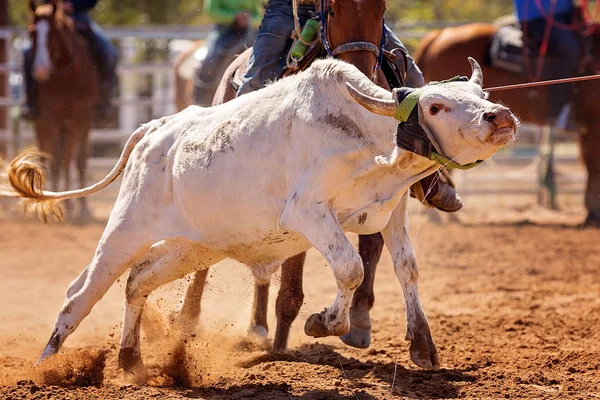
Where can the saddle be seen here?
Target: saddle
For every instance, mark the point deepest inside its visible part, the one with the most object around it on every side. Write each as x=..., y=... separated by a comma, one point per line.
x=507, y=53
x=506, y=49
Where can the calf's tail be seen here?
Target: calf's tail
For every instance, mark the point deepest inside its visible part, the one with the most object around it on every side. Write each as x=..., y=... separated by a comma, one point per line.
x=26, y=177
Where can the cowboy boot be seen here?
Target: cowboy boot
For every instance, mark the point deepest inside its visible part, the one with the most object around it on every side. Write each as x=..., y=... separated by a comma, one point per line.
x=435, y=191
x=29, y=110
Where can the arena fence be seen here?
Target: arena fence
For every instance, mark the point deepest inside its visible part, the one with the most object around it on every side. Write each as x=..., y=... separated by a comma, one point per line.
x=146, y=82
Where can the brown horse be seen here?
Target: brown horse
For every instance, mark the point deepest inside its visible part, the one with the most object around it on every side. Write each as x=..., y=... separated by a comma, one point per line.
x=184, y=86
x=68, y=92
x=442, y=53
x=342, y=30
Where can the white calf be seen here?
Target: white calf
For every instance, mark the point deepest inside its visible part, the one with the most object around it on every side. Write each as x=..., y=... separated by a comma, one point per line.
x=267, y=176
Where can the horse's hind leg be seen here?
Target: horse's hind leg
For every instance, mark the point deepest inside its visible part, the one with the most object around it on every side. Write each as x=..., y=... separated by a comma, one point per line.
x=258, y=323
x=166, y=261
x=289, y=299
x=69, y=140
x=369, y=248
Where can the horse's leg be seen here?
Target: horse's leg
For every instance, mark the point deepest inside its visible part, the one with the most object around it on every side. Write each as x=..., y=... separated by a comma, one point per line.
x=68, y=149
x=81, y=160
x=48, y=136
x=188, y=316
x=258, y=323
x=289, y=299
x=369, y=248
x=590, y=144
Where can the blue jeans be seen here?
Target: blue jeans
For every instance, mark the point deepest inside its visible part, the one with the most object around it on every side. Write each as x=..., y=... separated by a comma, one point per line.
x=268, y=58
x=561, y=61
x=223, y=43
x=104, y=52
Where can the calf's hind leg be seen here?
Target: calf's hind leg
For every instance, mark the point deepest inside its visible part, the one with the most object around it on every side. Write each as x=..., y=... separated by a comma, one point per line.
x=111, y=260
x=166, y=261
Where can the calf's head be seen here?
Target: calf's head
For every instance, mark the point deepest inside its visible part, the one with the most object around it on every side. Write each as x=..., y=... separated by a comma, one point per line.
x=455, y=116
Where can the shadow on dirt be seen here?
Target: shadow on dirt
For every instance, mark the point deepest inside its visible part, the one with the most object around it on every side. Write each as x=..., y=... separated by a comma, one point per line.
x=359, y=375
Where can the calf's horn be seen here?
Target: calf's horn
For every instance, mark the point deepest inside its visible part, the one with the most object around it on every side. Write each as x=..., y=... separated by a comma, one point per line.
x=373, y=104
x=477, y=73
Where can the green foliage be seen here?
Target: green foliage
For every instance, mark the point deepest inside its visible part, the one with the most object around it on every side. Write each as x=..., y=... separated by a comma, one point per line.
x=449, y=10
x=137, y=12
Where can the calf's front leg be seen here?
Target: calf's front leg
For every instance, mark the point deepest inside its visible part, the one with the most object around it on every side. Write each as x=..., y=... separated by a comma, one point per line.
x=322, y=230
x=422, y=349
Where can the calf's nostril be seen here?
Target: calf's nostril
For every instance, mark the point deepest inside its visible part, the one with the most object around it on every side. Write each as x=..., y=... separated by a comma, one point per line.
x=489, y=117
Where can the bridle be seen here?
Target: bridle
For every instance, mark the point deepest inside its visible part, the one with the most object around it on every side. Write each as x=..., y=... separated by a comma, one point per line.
x=350, y=46
x=66, y=67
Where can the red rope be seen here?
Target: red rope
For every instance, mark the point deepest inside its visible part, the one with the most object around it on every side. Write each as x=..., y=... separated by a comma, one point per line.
x=548, y=29
x=550, y=16
x=543, y=83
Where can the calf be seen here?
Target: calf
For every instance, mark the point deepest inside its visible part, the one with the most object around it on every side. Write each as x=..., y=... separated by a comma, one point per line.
x=267, y=176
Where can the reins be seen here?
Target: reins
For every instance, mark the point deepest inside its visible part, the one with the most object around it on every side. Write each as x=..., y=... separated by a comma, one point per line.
x=350, y=46
x=323, y=37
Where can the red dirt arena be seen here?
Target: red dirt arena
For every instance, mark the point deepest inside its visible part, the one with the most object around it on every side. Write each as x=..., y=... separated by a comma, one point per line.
x=511, y=290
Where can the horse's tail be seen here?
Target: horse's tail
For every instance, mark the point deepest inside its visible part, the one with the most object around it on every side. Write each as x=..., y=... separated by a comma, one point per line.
x=26, y=176
x=422, y=51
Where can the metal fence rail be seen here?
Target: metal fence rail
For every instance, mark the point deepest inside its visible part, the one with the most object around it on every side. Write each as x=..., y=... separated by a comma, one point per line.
x=146, y=85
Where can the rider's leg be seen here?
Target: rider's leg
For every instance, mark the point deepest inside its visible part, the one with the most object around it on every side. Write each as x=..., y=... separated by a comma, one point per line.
x=227, y=41
x=564, y=57
x=272, y=42
x=105, y=56
x=434, y=190
x=414, y=76
x=30, y=108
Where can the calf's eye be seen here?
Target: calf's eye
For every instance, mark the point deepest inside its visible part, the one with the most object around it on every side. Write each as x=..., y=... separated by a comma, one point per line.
x=434, y=109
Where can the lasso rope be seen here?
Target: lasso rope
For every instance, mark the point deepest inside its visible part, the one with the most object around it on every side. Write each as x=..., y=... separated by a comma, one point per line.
x=544, y=83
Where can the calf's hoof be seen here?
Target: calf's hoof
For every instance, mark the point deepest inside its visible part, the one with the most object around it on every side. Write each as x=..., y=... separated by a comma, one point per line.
x=315, y=327
x=131, y=363
x=357, y=337
x=423, y=352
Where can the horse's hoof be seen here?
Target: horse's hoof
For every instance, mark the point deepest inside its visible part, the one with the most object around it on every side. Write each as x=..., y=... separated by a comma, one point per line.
x=592, y=220
x=357, y=337
x=315, y=326
x=258, y=331
x=423, y=352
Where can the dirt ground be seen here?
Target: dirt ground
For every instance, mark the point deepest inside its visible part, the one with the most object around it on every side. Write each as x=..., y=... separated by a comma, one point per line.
x=512, y=293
